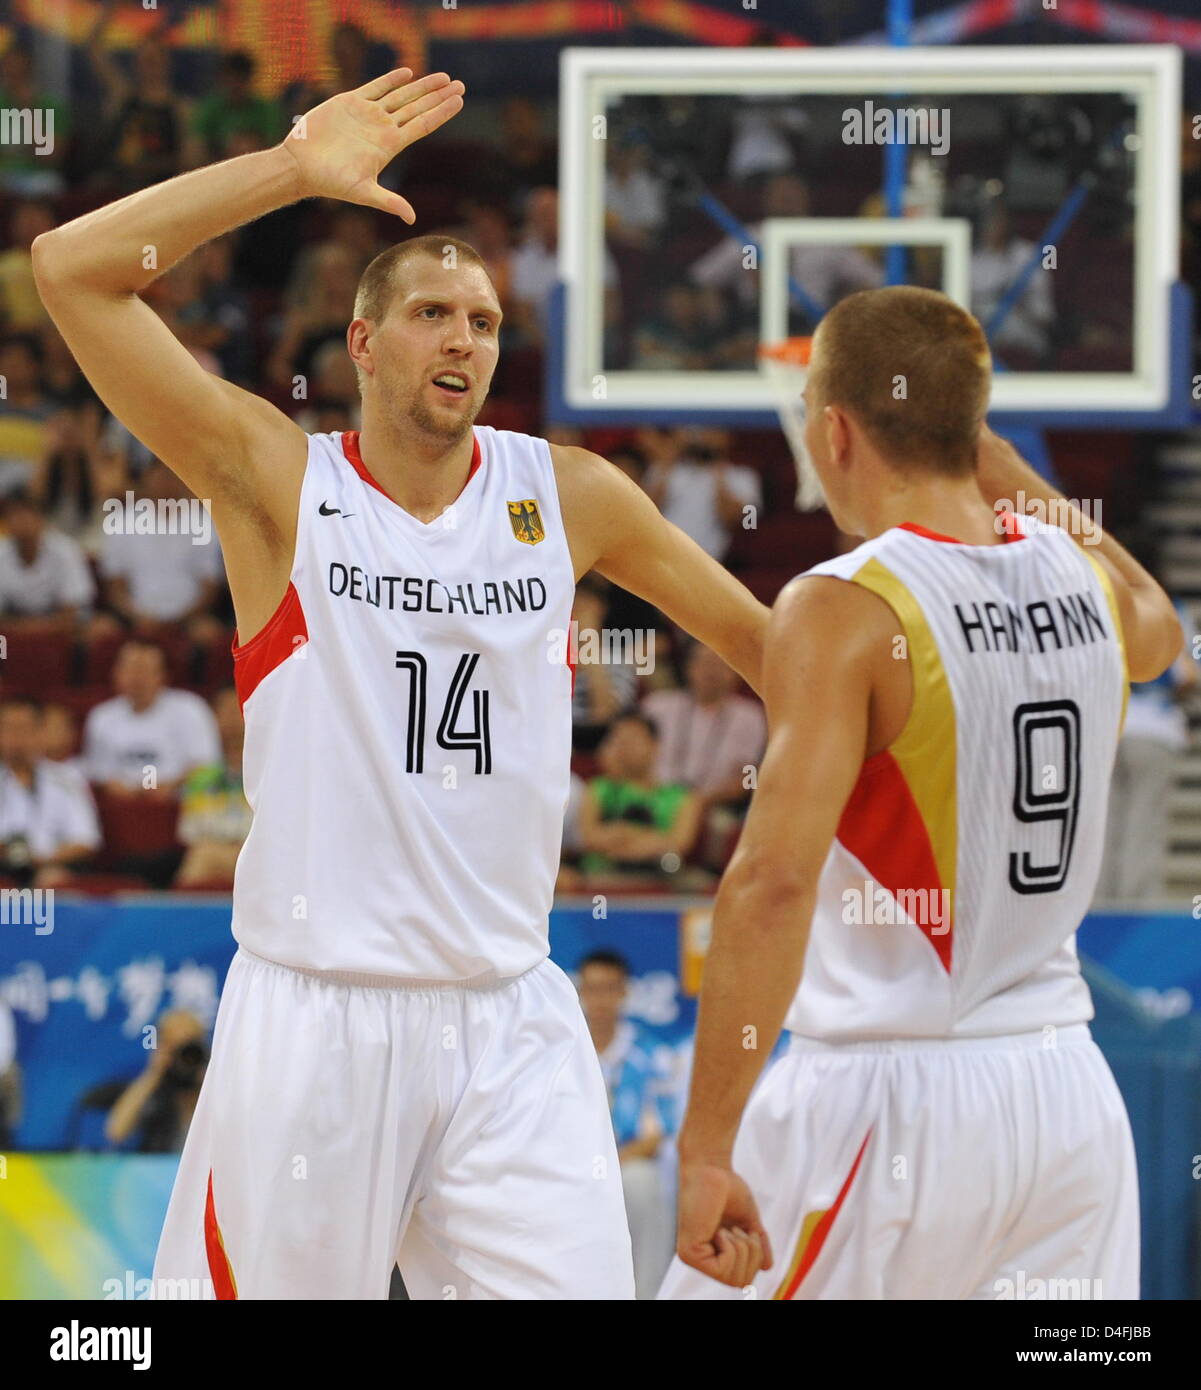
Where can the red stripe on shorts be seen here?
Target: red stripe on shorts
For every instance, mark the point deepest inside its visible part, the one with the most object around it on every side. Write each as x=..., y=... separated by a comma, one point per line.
x=817, y=1238
x=220, y=1270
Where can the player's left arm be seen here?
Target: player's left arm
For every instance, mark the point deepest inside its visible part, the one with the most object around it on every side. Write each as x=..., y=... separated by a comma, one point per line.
x=822, y=642
x=614, y=527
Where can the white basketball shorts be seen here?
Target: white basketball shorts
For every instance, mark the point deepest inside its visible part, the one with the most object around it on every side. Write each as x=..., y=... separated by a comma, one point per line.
x=460, y=1131
x=991, y=1168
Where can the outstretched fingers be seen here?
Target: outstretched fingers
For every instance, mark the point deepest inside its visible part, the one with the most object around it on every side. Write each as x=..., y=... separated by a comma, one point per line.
x=402, y=95
x=381, y=86
x=422, y=123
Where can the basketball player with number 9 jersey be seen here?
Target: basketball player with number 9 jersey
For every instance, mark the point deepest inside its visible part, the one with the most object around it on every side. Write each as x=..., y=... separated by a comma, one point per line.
x=945, y=703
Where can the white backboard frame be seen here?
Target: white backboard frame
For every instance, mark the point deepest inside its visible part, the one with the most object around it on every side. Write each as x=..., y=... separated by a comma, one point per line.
x=592, y=79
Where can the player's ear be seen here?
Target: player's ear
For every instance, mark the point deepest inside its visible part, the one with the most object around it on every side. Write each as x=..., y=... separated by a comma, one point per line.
x=838, y=434
x=358, y=344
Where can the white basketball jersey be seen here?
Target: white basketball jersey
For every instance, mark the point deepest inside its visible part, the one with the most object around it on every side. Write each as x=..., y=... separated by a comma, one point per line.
x=408, y=725
x=969, y=850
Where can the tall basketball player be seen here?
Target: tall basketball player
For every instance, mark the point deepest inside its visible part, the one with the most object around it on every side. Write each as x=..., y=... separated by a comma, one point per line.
x=944, y=705
x=398, y=1070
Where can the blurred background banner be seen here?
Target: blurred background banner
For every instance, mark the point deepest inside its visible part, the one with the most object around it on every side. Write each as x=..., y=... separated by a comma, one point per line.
x=81, y=1225
x=84, y=1224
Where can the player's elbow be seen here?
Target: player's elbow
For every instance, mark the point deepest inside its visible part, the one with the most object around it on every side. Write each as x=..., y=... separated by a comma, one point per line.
x=769, y=885
x=50, y=261
x=1160, y=642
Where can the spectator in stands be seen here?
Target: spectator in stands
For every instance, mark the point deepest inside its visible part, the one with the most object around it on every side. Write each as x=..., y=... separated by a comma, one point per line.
x=234, y=108
x=826, y=273
x=45, y=583
x=526, y=157
x=709, y=737
x=486, y=226
x=997, y=261
x=767, y=133
x=637, y=1082
x=635, y=830
x=635, y=196
x=320, y=318
x=147, y=739
x=333, y=386
x=158, y=1106
x=10, y=1078
x=351, y=60
x=167, y=577
x=226, y=310
x=215, y=818
x=62, y=380
x=147, y=122
x=76, y=472
x=58, y=738
x=48, y=823
x=353, y=233
x=208, y=319
x=24, y=171
x=688, y=333
x=695, y=487
x=603, y=689
x=1154, y=737
x=21, y=309
x=27, y=408
x=535, y=264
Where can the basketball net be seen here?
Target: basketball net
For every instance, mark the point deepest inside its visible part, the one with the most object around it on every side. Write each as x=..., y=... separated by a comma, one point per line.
x=786, y=366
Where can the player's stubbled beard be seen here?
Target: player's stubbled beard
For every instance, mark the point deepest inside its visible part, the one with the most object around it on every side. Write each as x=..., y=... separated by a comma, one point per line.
x=448, y=427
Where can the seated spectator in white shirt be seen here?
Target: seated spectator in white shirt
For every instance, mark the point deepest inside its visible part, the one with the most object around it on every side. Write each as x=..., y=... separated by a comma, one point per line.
x=699, y=492
x=45, y=583
x=214, y=815
x=709, y=737
x=59, y=738
x=603, y=689
x=170, y=575
x=147, y=739
x=826, y=273
x=48, y=822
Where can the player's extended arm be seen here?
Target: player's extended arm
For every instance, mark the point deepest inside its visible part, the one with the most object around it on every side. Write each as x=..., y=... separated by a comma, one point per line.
x=613, y=526
x=228, y=446
x=817, y=678
x=1150, y=624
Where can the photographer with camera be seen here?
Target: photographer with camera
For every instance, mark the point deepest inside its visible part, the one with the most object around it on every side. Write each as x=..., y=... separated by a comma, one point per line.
x=158, y=1105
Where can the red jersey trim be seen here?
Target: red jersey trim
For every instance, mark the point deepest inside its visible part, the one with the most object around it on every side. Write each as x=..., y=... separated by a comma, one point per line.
x=1007, y=520
x=350, y=447
x=883, y=828
x=286, y=630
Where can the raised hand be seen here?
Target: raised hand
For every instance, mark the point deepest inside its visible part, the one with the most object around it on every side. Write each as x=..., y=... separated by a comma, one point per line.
x=341, y=146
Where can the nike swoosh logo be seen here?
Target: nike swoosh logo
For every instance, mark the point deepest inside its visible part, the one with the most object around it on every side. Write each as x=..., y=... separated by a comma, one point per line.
x=326, y=510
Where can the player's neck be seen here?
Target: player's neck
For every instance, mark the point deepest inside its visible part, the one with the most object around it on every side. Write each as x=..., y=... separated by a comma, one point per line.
x=422, y=473
x=948, y=507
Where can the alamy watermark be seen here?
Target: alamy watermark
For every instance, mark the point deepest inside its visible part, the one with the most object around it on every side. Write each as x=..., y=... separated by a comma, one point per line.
x=873, y=905
x=605, y=646
x=157, y=516
x=907, y=125
x=1076, y=516
x=28, y=907
x=28, y=125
